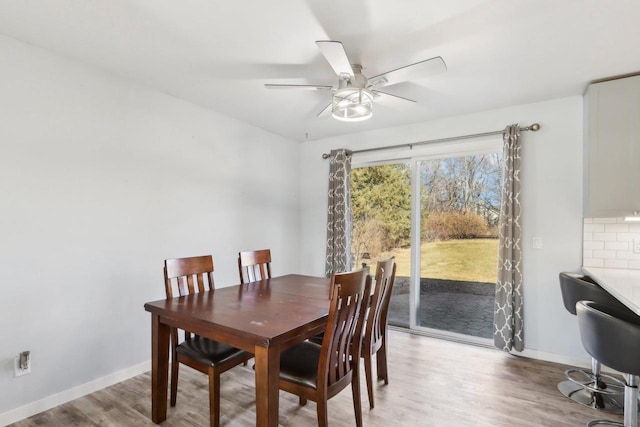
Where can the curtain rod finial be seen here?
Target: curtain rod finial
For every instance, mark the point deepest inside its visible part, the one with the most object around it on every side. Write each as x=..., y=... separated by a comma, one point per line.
x=535, y=127
x=326, y=156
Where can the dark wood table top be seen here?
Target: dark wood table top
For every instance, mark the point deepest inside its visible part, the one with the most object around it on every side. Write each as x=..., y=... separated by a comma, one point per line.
x=258, y=313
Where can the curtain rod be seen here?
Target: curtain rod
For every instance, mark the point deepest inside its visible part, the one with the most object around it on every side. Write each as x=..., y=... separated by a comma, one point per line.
x=534, y=128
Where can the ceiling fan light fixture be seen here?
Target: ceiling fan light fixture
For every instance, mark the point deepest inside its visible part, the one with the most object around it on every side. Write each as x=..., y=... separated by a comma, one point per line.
x=352, y=104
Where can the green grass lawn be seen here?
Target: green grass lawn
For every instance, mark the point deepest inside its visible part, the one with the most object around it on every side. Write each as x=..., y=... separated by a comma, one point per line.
x=473, y=260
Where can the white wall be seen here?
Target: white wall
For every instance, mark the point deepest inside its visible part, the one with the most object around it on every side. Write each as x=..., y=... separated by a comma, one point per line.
x=551, y=204
x=100, y=181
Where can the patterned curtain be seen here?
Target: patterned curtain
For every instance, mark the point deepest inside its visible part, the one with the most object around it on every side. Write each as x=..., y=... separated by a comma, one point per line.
x=508, y=315
x=339, y=213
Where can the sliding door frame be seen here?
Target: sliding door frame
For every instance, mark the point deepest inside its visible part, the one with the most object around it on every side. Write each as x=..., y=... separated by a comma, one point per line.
x=436, y=151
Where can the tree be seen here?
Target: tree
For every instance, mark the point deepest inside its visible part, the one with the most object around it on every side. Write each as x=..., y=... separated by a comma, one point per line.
x=464, y=185
x=461, y=195
x=381, y=206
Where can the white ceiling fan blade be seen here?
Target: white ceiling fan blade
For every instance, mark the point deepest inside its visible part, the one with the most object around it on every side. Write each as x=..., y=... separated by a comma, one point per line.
x=303, y=87
x=325, y=111
x=426, y=68
x=391, y=100
x=336, y=56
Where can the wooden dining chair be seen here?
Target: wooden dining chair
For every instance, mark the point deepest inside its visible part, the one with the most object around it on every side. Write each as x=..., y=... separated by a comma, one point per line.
x=254, y=265
x=188, y=276
x=375, y=334
x=318, y=372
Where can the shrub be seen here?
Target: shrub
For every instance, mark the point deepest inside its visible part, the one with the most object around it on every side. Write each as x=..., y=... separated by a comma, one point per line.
x=373, y=235
x=453, y=225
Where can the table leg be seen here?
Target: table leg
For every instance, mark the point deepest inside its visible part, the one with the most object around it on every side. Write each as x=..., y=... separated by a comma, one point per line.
x=267, y=391
x=159, y=368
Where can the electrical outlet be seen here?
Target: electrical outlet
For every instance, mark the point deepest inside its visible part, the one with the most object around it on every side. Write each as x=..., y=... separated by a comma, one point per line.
x=18, y=368
x=636, y=246
x=537, y=243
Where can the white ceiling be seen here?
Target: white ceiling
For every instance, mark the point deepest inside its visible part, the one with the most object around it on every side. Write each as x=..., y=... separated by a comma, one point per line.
x=219, y=54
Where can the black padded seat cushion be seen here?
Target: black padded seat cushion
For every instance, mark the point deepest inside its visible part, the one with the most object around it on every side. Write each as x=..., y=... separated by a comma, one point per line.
x=207, y=351
x=610, y=336
x=576, y=287
x=299, y=364
x=318, y=338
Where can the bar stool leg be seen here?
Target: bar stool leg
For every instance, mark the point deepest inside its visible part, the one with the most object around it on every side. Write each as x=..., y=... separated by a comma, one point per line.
x=631, y=401
x=594, y=389
x=596, y=368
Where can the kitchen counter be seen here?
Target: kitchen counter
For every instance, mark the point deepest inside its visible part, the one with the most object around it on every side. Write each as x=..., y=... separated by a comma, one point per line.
x=622, y=284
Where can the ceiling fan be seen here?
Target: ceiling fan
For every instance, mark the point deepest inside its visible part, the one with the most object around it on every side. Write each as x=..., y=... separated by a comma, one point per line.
x=354, y=95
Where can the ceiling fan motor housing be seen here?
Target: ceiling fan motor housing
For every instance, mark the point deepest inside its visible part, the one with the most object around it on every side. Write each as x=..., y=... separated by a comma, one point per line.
x=358, y=79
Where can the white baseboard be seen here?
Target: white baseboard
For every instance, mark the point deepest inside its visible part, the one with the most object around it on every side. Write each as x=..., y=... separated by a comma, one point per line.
x=553, y=357
x=565, y=360
x=488, y=343
x=73, y=393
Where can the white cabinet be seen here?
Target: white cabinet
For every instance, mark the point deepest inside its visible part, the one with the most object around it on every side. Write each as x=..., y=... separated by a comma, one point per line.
x=612, y=148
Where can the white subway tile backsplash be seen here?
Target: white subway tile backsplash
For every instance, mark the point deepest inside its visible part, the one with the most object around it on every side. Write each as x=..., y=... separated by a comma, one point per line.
x=604, y=254
x=594, y=228
x=616, y=228
x=616, y=263
x=627, y=255
x=592, y=244
x=627, y=237
x=607, y=242
x=614, y=246
x=605, y=237
x=592, y=262
x=604, y=220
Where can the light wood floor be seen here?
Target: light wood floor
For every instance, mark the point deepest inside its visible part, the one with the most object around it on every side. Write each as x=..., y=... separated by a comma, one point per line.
x=432, y=383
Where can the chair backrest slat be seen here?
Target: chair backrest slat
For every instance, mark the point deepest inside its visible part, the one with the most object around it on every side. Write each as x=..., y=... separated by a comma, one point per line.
x=190, y=284
x=379, y=310
x=343, y=335
x=183, y=271
x=254, y=265
x=180, y=272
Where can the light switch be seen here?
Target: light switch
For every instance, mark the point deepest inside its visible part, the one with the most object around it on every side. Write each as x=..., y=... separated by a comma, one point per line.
x=537, y=243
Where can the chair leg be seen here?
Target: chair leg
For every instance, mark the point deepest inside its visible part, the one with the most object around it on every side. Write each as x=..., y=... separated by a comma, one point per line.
x=174, y=381
x=214, y=398
x=321, y=406
x=369, y=376
x=355, y=389
x=303, y=400
x=381, y=362
x=174, y=375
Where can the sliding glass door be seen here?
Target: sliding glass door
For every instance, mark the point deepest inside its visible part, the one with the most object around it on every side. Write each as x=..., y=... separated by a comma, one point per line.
x=437, y=215
x=458, y=210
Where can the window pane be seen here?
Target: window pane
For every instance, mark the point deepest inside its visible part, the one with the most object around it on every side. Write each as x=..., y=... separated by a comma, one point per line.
x=381, y=209
x=459, y=213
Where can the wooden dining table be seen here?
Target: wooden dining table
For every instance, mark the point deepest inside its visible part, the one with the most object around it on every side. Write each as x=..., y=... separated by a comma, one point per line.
x=262, y=317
